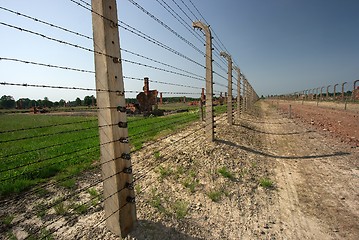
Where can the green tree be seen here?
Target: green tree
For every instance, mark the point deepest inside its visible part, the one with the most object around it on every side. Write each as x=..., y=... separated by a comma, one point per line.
x=89, y=100
x=78, y=102
x=47, y=103
x=7, y=102
x=23, y=103
x=62, y=103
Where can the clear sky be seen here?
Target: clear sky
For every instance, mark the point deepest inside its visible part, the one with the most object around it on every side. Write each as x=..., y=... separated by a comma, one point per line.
x=282, y=46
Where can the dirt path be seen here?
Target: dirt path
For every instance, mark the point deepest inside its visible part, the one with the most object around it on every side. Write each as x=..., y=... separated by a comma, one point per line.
x=317, y=181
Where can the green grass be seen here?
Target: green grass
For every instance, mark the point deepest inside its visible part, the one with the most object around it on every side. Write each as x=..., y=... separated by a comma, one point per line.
x=164, y=172
x=157, y=154
x=95, y=196
x=68, y=149
x=215, y=196
x=6, y=220
x=79, y=208
x=266, y=183
x=180, y=208
x=60, y=209
x=226, y=173
x=191, y=184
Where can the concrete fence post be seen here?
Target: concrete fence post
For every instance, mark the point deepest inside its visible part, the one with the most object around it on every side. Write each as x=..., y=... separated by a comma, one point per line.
x=238, y=91
x=334, y=93
x=354, y=90
x=120, y=210
x=328, y=92
x=229, y=96
x=209, y=80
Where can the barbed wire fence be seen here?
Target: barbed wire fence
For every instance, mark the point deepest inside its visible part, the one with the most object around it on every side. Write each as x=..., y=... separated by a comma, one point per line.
x=344, y=95
x=44, y=156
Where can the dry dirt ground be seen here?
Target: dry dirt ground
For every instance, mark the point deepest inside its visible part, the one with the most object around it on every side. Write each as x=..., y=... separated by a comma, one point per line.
x=327, y=117
x=266, y=177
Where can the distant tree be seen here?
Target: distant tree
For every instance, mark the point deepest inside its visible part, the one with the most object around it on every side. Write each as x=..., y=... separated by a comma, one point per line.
x=23, y=103
x=47, y=103
x=7, y=102
x=62, y=103
x=89, y=100
x=33, y=103
x=78, y=102
x=56, y=104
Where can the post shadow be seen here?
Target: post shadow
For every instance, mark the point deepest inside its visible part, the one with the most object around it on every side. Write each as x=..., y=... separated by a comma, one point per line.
x=150, y=230
x=280, y=134
x=280, y=157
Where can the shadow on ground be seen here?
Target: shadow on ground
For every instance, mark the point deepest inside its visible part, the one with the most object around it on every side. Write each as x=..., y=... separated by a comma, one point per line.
x=280, y=157
x=259, y=131
x=154, y=230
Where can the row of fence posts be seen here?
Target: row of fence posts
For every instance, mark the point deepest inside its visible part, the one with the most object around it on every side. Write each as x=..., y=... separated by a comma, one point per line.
x=305, y=94
x=119, y=204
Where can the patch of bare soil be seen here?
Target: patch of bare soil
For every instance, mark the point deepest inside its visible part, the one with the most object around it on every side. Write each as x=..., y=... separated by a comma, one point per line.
x=317, y=179
x=265, y=177
x=336, y=122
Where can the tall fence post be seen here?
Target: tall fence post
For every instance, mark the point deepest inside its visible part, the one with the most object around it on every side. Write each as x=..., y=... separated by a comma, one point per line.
x=201, y=104
x=244, y=94
x=229, y=97
x=209, y=81
x=238, y=91
x=120, y=210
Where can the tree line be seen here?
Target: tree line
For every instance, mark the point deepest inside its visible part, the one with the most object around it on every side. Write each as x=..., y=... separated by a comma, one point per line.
x=8, y=102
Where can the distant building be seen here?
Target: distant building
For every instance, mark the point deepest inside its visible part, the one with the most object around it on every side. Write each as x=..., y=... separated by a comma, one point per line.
x=356, y=93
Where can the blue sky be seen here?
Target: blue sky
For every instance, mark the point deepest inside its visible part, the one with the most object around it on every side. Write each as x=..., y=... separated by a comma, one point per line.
x=282, y=46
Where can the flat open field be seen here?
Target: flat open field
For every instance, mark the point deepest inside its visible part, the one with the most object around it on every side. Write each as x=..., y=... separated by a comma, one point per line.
x=266, y=177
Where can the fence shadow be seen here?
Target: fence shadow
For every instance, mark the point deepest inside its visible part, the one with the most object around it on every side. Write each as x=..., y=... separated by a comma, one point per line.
x=279, y=134
x=280, y=157
x=274, y=123
x=150, y=230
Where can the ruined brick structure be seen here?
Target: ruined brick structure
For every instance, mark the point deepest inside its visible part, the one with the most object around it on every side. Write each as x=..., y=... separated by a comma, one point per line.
x=148, y=98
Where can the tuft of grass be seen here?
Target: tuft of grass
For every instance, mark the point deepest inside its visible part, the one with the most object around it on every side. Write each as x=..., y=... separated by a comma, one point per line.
x=156, y=201
x=138, y=188
x=40, y=210
x=6, y=220
x=11, y=236
x=180, y=208
x=60, y=209
x=180, y=170
x=42, y=192
x=226, y=173
x=164, y=172
x=79, y=208
x=69, y=183
x=215, y=196
x=95, y=196
x=157, y=154
x=191, y=184
x=266, y=183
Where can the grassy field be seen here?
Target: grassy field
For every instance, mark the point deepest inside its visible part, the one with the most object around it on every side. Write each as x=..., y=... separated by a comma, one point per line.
x=37, y=148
